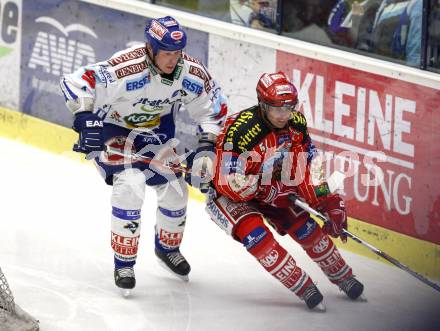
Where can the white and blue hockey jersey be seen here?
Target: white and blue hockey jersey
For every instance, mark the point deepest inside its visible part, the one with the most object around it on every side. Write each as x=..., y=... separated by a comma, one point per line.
x=127, y=91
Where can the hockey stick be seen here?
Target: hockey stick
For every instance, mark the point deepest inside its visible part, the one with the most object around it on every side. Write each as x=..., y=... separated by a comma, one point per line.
x=139, y=157
x=375, y=250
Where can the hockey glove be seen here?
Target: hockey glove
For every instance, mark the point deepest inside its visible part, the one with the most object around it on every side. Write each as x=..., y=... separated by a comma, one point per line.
x=201, y=163
x=333, y=207
x=89, y=127
x=276, y=194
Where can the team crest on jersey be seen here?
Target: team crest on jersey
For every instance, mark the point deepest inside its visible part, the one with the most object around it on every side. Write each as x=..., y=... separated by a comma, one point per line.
x=297, y=137
x=299, y=123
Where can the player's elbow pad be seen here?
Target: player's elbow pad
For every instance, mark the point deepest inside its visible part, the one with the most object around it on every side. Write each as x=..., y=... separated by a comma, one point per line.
x=80, y=104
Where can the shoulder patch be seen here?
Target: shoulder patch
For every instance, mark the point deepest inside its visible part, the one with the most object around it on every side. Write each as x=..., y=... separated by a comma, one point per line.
x=131, y=69
x=203, y=74
x=298, y=122
x=192, y=85
x=246, y=131
x=298, y=118
x=134, y=54
x=105, y=75
x=197, y=71
x=190, y=58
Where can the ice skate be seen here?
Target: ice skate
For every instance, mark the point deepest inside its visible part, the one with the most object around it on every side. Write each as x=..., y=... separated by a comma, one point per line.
x=352, y=288
x=125, y=280
x=175, y=263
x=313, y=298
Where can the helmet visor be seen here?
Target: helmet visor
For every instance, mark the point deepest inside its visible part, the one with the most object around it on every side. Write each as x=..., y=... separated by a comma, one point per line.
x=289, y=108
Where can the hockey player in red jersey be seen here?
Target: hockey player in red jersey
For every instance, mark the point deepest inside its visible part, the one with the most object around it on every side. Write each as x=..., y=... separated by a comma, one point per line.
x=263, y=155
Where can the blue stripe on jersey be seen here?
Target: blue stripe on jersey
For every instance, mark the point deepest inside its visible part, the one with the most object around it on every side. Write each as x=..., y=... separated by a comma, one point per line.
x=173, y=213
x=128, y=215
x=72, y=95
x=65, y=96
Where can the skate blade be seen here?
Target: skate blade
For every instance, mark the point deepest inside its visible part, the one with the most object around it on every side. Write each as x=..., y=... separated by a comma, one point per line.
x=362, y=298
x=125, y=292
x=320, y=308
x=163, y=265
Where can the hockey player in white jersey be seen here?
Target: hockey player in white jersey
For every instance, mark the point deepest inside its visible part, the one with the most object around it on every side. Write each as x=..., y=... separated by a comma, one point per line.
x=129, y=102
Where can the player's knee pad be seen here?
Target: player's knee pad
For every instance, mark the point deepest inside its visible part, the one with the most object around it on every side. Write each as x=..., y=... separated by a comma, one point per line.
x=128, y=189
x=172, y=200
x=127, y=198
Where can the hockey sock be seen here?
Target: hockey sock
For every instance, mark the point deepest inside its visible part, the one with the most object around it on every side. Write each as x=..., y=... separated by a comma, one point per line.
x=260, y=242
x=321, y=249
x=125, y=236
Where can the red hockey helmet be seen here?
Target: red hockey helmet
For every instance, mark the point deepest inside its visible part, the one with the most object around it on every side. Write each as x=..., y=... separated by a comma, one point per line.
x=277, y=91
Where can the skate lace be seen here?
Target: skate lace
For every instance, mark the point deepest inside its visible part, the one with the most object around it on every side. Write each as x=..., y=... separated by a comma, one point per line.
x=126, y=272
x=175, y=258
x=347, y=284
x=309, y=292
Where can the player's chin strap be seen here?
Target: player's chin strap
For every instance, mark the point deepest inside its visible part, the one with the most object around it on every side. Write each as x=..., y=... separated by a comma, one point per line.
x=375, y=250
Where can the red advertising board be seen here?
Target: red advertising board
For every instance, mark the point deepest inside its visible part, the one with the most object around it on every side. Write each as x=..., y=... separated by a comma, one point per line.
x=383, y=133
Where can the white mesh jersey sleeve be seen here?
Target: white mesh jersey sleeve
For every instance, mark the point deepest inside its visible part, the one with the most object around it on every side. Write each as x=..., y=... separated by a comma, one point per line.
x=204, y=101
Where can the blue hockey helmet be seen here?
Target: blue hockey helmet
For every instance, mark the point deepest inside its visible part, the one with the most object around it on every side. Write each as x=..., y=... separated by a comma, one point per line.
x=166, y=34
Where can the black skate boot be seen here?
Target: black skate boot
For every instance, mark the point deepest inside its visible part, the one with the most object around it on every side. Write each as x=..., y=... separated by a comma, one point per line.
x=352, y=287
x=175, y=263
x=313, y=298
x=125, y=280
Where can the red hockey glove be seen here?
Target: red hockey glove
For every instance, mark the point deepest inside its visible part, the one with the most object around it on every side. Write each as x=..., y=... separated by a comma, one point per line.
x=333, y=207
x=276, y=194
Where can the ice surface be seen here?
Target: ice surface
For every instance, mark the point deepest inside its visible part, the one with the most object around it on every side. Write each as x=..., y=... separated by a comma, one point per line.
x=55, y=252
